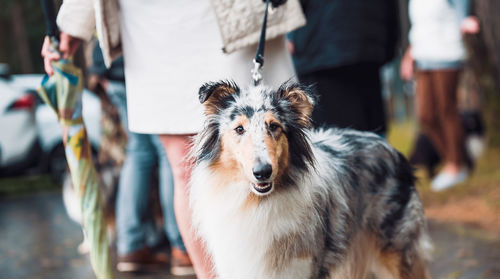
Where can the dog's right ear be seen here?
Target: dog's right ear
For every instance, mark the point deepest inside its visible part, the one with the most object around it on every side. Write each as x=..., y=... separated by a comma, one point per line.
x=216, y=95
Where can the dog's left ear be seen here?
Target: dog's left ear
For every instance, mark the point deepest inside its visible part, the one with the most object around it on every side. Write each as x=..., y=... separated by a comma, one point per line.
x=301, y=100
x=216, y=95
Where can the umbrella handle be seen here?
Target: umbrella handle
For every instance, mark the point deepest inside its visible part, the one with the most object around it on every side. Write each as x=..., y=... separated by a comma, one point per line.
x=50, y=21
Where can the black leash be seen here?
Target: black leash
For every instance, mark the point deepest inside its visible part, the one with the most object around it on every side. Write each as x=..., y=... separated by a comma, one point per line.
x=258, y=61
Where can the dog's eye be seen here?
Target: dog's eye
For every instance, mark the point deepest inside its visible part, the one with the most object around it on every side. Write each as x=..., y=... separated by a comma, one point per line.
x=273, y=127
x=240, y=130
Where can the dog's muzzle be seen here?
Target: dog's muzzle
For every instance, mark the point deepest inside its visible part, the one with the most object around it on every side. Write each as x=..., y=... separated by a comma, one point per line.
x=262, y=172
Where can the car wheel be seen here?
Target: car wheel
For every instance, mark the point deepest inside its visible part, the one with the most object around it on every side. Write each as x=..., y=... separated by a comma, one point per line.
x=57, y=163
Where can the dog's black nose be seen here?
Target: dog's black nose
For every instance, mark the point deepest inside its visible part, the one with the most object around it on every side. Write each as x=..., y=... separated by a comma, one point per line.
x=262, y=171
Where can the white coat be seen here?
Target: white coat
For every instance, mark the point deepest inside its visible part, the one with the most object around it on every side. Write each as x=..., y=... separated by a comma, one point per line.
x=435, y=34
x=170, y=49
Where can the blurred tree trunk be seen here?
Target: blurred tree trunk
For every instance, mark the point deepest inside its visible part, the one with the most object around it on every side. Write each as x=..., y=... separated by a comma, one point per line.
x=20, y=37
x=485, y=61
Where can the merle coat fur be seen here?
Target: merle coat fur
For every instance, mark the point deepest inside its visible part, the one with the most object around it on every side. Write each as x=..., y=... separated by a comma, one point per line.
x=338, y=203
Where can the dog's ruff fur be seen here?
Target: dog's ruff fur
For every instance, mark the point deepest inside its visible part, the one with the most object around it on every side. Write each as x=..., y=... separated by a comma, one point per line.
x=335, y=204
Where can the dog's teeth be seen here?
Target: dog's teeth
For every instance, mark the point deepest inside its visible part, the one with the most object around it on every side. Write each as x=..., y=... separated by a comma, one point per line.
x=263, y=185
x=262, y=188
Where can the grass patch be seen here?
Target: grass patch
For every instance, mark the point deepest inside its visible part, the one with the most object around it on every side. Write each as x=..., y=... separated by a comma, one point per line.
x=475, y=202
x=23, y=185
x=402, y=135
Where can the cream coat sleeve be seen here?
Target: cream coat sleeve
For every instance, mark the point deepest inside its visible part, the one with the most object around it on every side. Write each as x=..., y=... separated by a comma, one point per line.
x=77, y=18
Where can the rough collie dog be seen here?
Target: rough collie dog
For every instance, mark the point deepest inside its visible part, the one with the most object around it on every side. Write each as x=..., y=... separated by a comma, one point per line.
x=273, y=199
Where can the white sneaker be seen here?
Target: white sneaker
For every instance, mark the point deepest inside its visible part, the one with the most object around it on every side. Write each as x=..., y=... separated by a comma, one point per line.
x=445, y=180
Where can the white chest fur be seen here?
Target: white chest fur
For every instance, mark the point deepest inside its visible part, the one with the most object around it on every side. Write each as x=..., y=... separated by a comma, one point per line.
x=239, y=236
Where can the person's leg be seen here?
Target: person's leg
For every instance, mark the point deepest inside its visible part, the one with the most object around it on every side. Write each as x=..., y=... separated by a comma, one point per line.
x=446, y=84
x=133, y=193
x=166, y=191
x=452, y=149
x=426, y=110
x=177, y=147
x=180, y=264
x=367, y=77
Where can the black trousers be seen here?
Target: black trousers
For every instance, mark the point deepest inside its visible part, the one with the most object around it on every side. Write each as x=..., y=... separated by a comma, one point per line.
x=349, y=97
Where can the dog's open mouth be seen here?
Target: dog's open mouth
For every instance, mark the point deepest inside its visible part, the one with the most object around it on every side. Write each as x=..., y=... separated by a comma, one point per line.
x=262, y=189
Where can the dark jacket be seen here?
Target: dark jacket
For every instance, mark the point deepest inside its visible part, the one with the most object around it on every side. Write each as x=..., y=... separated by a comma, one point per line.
x=345, y=32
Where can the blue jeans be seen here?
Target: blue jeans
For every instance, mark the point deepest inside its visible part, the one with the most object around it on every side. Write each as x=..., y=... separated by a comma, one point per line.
x=143, y=153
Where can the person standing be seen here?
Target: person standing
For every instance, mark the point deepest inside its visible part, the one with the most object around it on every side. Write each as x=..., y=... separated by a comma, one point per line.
x=340, y=51
x=170, y=49
x=438, y=52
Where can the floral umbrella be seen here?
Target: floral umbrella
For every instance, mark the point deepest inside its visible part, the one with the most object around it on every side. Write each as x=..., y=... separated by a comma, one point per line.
x=63, y=93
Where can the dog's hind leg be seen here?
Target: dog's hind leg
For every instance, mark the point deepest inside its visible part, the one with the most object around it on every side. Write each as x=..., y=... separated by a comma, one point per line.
x=395, y=265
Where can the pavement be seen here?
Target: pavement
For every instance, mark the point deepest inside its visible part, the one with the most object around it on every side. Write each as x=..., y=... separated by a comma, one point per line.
x=38, y=240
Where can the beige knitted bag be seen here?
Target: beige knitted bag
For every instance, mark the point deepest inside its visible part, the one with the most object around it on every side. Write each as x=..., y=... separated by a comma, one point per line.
x=240, y=21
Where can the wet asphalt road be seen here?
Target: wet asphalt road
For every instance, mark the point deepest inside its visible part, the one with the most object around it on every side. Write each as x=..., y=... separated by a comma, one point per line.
x=38, y=240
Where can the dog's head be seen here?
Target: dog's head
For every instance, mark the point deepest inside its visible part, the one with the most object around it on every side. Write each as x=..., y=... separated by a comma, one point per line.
x=256, y=135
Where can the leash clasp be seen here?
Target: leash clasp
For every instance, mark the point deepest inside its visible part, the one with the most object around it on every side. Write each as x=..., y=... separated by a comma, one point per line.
x=256, y=74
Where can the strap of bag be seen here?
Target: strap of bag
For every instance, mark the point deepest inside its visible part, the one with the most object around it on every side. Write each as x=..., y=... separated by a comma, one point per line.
x=258, y=61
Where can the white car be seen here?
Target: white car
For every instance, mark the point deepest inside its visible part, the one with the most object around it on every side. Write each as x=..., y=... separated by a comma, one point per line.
x=19, y=147
x=32, y=125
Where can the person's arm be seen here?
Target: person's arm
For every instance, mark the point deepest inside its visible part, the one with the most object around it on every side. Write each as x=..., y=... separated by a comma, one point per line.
x=76, y=20
x=406, y=69
x=469, y=24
